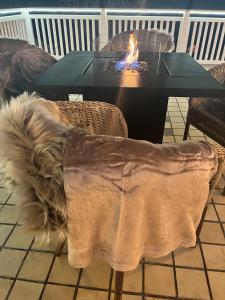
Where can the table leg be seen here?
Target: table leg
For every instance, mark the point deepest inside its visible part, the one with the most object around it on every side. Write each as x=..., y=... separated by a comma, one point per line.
x=145, y=114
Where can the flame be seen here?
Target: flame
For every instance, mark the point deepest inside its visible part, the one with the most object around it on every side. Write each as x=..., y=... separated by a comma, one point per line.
x=133, y=49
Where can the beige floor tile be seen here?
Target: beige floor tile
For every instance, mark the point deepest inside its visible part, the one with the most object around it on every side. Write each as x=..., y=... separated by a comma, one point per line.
x=10, y=261
x=183, y=107
x=173, y=109
x=178, y=138
x=221, y=183
x=195, y=133
x=162, y=260
x=217, y=283
x=9, y=214
x=20, y=238
x=221, y=212
x=58, y=292
x=218, y=197
x=197, y=138
x=13, y=199
x=178, y=125
x=176, y=119
x=212, y=233
x=96, y=275
x=175, y=114
x=36, y=266
x=150, y=298
x=183, y=111
x=73, y=97
x=4, y=195
x=192, y=283
x=168, y=139
x=80, y=98
x=131, y=297
x=167, y=125
x=5, y=285
x=172, y=104
x=84, y=294
x=178, y=131
x=4, y=232
x=62, y=272
x=25, y=290
x=182, y=101
x=132, y=280
x=159, y=280
x=51, y=246
x=214, y=256
x=211, y=214
x=188, y=257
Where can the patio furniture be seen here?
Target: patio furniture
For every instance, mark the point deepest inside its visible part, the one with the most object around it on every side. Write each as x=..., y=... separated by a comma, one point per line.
x=151, y=41
x=141, y=96
x=97, y=117
x=129, y=201
x=20, y=63
x=208, y=114
x=32, y=155
x=37, y=136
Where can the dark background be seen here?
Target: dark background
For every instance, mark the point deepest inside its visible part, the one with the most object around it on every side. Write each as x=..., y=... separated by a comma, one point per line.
x=176, y=4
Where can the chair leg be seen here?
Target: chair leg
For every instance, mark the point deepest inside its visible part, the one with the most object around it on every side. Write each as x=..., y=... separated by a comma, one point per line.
x=198, y=231
x=212, y=186
x=59, y=248
x=224, y=191
x=214, y=181
x=118, y=285
x=187, y=126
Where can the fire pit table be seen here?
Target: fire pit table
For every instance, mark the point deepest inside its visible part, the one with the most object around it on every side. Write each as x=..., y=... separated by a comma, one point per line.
x=142, y=93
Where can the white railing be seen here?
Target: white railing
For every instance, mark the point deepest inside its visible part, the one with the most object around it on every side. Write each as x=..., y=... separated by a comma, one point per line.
x=60, y=30
x=13, y=26
x=59, y=34
x=124, y=23
x=207, y=40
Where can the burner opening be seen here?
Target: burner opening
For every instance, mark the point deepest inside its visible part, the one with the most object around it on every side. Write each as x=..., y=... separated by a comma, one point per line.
x=122, y=65
x=130, y=62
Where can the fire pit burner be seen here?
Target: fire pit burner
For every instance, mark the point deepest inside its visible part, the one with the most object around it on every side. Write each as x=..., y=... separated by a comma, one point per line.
x=121, y=65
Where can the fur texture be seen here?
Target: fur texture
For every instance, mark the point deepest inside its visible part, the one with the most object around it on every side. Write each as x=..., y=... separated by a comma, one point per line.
x=32, y=134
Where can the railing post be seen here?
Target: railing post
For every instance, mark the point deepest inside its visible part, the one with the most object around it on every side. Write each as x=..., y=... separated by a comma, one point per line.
x=183, y=32
x=103, y=29
x=28, y=26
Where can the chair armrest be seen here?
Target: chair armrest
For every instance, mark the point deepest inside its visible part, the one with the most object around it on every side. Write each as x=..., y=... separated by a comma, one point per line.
x=103, y=118
x=218, y=72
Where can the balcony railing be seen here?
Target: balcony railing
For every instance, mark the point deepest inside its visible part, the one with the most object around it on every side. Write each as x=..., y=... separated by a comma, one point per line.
x=58, y=31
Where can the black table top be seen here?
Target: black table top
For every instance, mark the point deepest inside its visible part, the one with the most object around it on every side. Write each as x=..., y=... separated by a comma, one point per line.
x=171, y=74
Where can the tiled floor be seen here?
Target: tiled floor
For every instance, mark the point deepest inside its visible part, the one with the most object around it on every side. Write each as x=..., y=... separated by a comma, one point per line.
x=31, y=271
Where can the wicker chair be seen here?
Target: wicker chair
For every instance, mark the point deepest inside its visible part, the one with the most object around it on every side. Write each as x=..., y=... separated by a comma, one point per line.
x=107, y=119
x=20, y=63
x=153, y=41
x=208, y=116
x=104, y=119
x=98, y=117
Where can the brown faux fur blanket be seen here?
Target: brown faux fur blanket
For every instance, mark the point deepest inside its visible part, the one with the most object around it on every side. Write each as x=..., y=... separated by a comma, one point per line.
x=32, y=135
x=127, y=199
